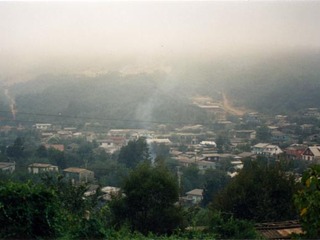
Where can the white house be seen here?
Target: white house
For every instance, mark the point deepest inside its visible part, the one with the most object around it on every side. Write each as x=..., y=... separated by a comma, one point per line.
x=272, y=150
x=158, y=141
x=7, y=166
x=266, y=149
x=43, y=126
x=245, y=134
x=41, y=167
x=311, y=153
x=208, y=143
x=78, y=174
x=259, y=148
x=194, y=196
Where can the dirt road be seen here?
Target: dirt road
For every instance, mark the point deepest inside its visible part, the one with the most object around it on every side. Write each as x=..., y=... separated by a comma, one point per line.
x=229, y=108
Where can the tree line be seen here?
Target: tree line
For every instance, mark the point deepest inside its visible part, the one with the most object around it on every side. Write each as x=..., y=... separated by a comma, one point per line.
x=149, y=203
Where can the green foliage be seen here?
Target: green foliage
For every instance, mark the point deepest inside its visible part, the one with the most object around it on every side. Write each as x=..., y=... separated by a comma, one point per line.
x=220, y=141
x=260, y=193
x=225, y=165
x=149, y=201
x=225, y=226
x=121, y=97
x=41, y=152
x=101, y=155
x=80, y=217
x=91, y=228
x=28, y=211
x=135, y=152
x=160, y=150
x=307, y=200
x=57, y=158
x=183, y=148
x=191, y=178
x=263, y=134
x=244, y=147
x=269, y=86
x=197, y=217
x=70, y=196
x=294, y=165
x=16, y=150
x=110, y=173
x=212, y=181
x=217, y=180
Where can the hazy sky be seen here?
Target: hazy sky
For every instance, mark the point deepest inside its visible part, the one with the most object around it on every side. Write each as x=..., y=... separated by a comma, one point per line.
x=36, y=32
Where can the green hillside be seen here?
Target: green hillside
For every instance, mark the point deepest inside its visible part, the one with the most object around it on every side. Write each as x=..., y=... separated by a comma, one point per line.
x=111, y=99
x=274, y=83
x=278, y=84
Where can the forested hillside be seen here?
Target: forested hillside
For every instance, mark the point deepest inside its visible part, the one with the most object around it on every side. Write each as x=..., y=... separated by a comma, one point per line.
x=121, y=100
x=280, y=83
x=277, y=83
x=4, y=106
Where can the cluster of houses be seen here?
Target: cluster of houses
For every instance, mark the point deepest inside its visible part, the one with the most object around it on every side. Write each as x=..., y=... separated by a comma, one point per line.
x=200, y=143
x=74, y=174
x=201, y=140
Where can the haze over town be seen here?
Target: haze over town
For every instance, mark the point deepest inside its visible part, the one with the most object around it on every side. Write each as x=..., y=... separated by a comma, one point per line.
x=42, y=37
x=160, y=120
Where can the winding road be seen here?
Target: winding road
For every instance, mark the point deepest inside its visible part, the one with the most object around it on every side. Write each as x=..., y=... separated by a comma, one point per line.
x=229, y=108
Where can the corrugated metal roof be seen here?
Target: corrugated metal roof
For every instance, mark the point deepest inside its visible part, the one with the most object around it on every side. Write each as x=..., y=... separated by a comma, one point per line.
x=279, y=230
x=76, y=170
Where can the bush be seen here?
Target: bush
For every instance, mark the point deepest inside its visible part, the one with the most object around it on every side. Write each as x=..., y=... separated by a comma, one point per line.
x=227, y=227
x=28, y=211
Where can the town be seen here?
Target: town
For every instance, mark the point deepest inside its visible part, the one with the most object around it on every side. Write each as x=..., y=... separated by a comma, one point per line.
x=233, y=137
x=159, y=120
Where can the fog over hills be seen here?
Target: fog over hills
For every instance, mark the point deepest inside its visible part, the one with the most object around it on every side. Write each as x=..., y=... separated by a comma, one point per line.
x=280, y=83
x=146, y=60
x=42, y=37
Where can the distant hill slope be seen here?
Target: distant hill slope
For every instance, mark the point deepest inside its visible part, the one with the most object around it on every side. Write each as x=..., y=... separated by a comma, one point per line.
x=274, y=83
x=279, y=84
x=5, y=111
x=111, y=99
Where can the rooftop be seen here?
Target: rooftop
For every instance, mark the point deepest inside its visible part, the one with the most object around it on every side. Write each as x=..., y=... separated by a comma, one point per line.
x=279, y=230
x=197, y=192
x=315, y=150
x=261, y=145
x=41, y=165
x=75, y=170
x=6, y=164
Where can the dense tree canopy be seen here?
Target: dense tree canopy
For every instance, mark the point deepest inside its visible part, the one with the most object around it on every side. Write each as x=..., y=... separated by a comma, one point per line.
x=136, y=151
x=149, y=201
x=16, y=150
x=47, y=208
x=27, y=211
x=215, y=183
x=137, y=97
x=263, y=134
x=260, y=193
